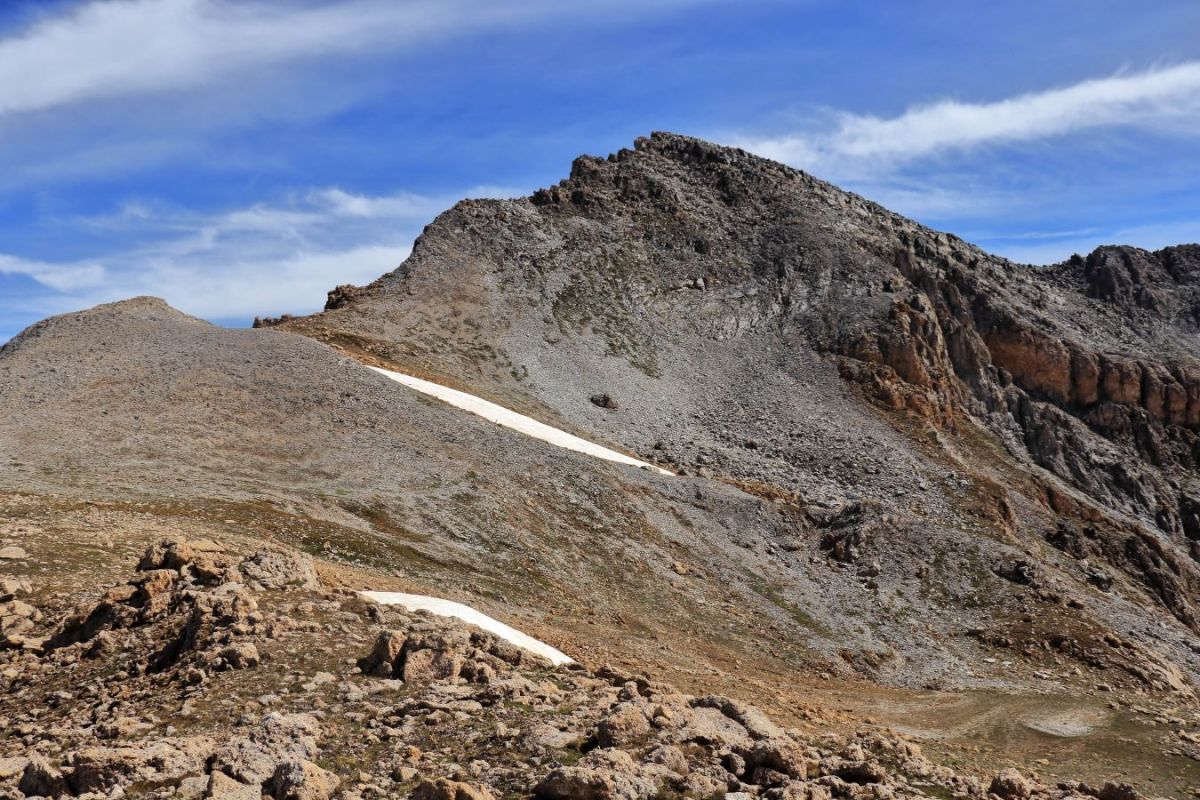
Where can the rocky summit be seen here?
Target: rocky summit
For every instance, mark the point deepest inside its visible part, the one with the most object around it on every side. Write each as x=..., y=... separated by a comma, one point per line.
x=929, y=524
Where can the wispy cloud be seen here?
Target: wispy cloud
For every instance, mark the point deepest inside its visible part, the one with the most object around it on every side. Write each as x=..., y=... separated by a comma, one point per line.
x=1156, y=98
x=110, y=48
x=262, y=259
x=59, y=277
x=111, y=87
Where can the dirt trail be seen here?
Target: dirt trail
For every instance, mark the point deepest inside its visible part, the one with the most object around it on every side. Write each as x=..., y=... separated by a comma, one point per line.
x=1058, y=735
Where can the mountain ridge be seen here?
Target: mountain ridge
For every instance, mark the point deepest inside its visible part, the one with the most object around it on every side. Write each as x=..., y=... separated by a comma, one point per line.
x=683, y=241
x=913, y=480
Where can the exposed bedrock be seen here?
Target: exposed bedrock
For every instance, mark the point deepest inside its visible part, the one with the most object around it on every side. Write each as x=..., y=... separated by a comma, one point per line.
x=1119, y=427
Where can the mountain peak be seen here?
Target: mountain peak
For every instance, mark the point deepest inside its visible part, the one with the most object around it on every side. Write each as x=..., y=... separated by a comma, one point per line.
x=862, y=424
x=142, y=310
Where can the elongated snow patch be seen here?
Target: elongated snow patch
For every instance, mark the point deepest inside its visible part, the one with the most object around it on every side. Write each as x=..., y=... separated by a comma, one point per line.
x=518, y=422
x=449, y=608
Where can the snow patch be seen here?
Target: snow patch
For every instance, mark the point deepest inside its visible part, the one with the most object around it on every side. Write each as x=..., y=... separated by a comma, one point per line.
x=518, y=422
x=449, y=608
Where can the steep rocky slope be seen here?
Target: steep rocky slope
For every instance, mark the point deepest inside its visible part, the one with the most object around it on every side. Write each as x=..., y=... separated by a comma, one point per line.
x=718, y=298
x=677, y=260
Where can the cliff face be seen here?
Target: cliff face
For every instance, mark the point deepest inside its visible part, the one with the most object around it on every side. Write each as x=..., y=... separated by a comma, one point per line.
x=1089, y=366
x=1042, y=351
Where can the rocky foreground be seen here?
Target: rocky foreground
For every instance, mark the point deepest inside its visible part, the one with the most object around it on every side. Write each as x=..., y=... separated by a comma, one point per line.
x=209, y=674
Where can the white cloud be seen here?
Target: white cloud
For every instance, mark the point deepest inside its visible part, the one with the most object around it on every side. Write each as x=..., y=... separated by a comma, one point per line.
x=1156, y=98
x=60, y=277
x=109, y=87
x=104, y=49
x=264, y=259
x=221, y=283
x=108, y=49
x=925, y=199
x=354, y=205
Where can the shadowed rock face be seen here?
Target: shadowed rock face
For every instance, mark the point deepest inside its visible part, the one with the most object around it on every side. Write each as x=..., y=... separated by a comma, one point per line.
x=668, y=273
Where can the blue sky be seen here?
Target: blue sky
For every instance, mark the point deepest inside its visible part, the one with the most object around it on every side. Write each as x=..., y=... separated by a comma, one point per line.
x=241, y=157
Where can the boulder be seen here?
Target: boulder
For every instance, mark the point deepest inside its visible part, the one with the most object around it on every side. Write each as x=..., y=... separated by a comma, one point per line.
x=175, y=554
x=193, y=787
x=226, y=605
x=223, y=787
x=756, y=724
x=17, y=617
x=12, y=767
x=445, y=789
x=279, y=569
x=341, y=295
x=1117, y=791
x=785, y=756
x=1020, y=572
x=11, y=587
x=626, y=725
x=241, y=655
x=42, y=779
x=1011, y=785
x=279, y=738
x=602, y=775
x=862, y=772
x=604, y=400
x=302, y=780
x=100, y=769
x=427, y=666
x=802, y=790
x=670, y=757
x=381, y=661
x=153, y=595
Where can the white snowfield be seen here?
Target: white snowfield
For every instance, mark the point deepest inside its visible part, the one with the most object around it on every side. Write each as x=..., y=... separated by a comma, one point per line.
x=518, y=422
x=449, y=608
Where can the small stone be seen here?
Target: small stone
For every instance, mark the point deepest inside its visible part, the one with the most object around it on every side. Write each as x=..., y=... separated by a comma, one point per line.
x=603, y=400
